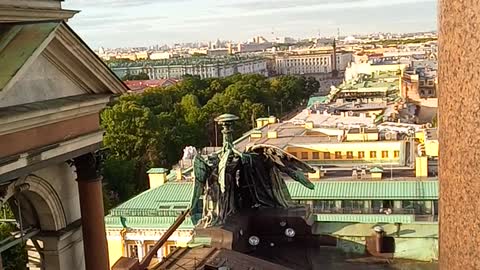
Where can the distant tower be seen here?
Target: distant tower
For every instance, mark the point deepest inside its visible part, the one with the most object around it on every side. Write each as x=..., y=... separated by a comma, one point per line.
x=334, y=59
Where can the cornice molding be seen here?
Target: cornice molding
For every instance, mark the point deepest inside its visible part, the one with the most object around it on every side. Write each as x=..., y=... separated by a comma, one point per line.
x=58, y=150
x=19, y=14
x=83, y=53
x=15, y=122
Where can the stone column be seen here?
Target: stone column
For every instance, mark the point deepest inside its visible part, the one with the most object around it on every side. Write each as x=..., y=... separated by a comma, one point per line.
x=459, y=137
x=91, y=207
x=397, y=204
x=140, y=249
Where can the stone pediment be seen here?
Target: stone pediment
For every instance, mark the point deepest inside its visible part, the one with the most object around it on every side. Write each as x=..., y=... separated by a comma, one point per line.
x=47, y=60
x=33, y=10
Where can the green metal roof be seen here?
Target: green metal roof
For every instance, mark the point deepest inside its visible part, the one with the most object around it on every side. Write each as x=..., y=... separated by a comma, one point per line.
x=362, y=218
x=171, y=193
x=158, y=207
x=18, y=42
x=366, y=190
x=157, y=170
x=376, y=170
x=146, y=222
x=320, y=99
x=179, y=193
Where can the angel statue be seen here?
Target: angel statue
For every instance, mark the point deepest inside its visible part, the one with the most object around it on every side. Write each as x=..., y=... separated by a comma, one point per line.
x=231, y=181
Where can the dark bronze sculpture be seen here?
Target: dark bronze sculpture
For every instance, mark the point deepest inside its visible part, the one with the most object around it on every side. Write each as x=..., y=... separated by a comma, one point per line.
x=232, y=181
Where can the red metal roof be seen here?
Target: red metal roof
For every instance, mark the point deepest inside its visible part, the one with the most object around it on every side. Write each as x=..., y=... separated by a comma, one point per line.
x=141, y=85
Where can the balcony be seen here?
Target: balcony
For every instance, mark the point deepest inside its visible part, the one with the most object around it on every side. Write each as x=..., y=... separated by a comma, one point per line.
x=372, y=215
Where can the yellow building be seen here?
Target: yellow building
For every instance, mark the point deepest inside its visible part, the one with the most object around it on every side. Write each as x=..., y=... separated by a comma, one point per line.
x=431, y=142
x=346, y=152
x=136, y=225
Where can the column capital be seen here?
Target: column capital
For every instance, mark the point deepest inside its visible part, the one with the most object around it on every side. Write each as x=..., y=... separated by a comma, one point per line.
x=88, y=167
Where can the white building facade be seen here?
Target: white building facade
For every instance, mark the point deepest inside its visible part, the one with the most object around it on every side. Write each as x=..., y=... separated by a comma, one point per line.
x=209, y=70
x=310, y=63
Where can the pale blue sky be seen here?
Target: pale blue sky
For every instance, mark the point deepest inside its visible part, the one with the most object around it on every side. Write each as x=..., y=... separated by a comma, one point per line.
x=120, y=23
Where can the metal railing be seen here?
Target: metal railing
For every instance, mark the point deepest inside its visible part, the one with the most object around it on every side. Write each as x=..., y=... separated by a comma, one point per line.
x=136, y=212
x=370, y=211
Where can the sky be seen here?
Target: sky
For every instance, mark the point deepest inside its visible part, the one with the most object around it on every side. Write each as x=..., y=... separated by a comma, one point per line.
x=128, y=23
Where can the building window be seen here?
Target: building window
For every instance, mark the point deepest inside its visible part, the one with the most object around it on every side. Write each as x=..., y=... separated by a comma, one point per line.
x=315, y=155
x=361, y=154
x=150, y=247
x=304, y=155
x=171, y=248
x=373, y=154
x=353, y=205
x=293, y=153
x=396, y=154
x=377, y=205
x=415, y=207
x=132, y=250
x=338, y=155
x=326, y=155
x=384, y=154
x=349, y=154
x=324, y=206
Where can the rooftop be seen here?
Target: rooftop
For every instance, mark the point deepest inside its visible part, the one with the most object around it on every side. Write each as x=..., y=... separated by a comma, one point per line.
x=325, y=120
x=183, y=61
x=158, y=208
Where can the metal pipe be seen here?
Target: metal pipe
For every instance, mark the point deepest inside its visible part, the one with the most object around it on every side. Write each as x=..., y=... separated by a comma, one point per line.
x=146, y=259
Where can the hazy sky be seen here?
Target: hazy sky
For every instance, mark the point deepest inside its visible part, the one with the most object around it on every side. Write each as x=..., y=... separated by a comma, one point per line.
x=120, y=23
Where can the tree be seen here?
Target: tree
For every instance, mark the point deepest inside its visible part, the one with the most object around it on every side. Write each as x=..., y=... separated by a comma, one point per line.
x=133, y=77
x=311, y=85
x=15, y=257
x=130, y=130
x=120, y=177
x=151, y=129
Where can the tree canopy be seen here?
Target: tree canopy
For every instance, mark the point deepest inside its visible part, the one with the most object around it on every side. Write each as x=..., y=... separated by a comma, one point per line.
x=14, y=258
x=133, y=77
x=152, y=128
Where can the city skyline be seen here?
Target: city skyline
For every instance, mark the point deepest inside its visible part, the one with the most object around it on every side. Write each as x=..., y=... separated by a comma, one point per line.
x=122, y=23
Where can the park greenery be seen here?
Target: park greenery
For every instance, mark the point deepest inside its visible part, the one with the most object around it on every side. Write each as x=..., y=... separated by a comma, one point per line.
x=14, y=258
x=132, y=77
x=151, y=129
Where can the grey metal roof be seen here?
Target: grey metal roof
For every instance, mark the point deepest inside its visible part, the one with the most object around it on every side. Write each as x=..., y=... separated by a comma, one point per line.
x=18, y=42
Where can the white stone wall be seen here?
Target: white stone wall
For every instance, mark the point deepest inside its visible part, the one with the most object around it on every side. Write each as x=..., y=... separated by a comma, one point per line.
x=204, y=71
x=62, y=178
x=43, y=82
x=308, y=64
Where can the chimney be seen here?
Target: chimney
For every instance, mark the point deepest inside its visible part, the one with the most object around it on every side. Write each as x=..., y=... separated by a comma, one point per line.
x=273, y=134
x=316, y=175
x=179, y=173
x=377, y=173
x=261, y=122
x=256, y=134
x=421, y=167
x=157, y=177
x=272, y=120
x=309, y=125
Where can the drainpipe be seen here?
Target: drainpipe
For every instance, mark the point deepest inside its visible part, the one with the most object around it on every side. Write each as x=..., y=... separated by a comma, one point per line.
x=379, y=233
